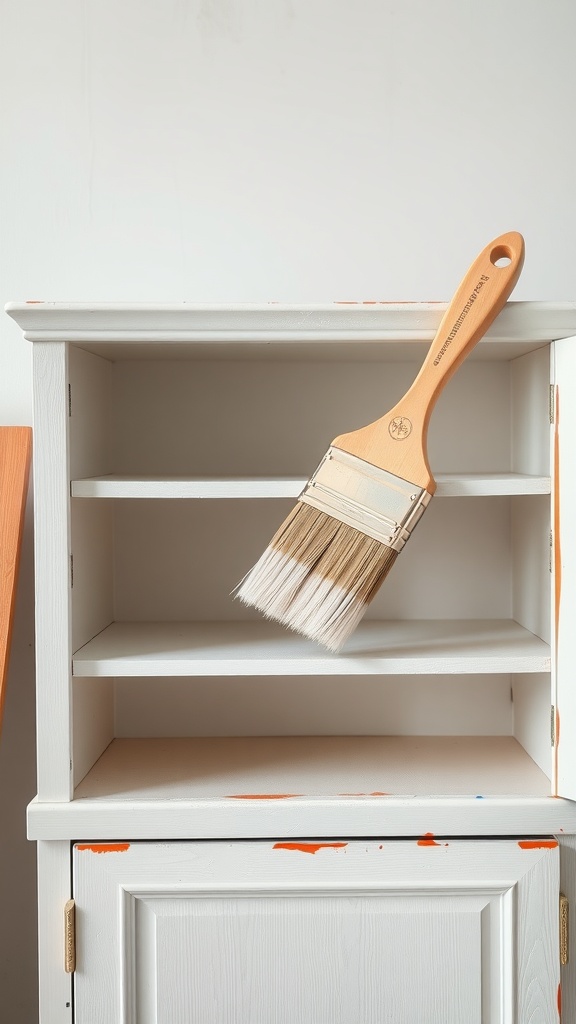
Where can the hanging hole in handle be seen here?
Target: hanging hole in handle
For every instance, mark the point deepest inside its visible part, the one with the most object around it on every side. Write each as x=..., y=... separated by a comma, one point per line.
x=501, y=256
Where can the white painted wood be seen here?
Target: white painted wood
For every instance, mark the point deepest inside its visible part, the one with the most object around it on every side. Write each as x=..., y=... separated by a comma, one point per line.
x=107, y=818
x=90, y=408
x=518, y=322
x=449, y=485
x=54, y=889
x=261, y=931
x=564, y=566
x=530, y=573
x=223, y=767
x=276, y=419
x=302, y=705
x=531, y=708
x=92, y=550
x=52, y=569
x=93, y=723
x=180, y=561
x=529, y=412
x=429, y=646
x=183, y=703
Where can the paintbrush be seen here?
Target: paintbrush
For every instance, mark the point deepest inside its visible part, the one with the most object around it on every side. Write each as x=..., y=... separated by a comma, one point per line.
x=328, y=559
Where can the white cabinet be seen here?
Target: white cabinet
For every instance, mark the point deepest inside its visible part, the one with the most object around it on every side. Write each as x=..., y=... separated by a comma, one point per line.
x=169, y=444
x=317, y=932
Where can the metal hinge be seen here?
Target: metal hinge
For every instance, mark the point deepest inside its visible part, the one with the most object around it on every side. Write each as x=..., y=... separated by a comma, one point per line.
x=69, y=399
x=71, y=571
x=564, y=930
x=551, y=403
x=70, y=937
x=551, y=553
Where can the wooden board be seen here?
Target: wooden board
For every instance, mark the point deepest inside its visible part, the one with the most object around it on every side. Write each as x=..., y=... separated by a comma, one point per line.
x=15, y=448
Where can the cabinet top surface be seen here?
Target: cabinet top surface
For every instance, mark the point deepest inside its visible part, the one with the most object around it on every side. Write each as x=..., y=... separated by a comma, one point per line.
x=145, y=322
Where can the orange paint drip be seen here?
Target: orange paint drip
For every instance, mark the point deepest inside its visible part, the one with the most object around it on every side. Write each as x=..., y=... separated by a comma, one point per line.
x=308, y=847
x=537, y=844
x=104, y=847
x=559, y=1000
x=428, y=840
x=34, y=302
x=262, y=796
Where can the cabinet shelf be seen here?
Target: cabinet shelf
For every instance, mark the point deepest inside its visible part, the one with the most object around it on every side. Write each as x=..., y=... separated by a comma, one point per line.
x=214, y=787
x=408, y=647
x=449, y=485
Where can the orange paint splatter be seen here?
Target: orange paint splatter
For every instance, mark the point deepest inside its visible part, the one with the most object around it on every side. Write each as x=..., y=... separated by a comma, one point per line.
x=104, y=847
x=376, y=793
x=34, y=302
x=559, y=1000
x=537, y=844
x=262, y=796
x=308, y=847
x=428, y=840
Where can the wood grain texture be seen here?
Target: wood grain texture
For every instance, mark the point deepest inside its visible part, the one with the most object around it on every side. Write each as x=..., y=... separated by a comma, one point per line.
x=261, y=931
x=397, y=441
x=15, y=451
x=52, y=568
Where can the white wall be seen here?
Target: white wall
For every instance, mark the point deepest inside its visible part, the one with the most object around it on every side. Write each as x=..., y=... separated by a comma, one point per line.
x=247, y=150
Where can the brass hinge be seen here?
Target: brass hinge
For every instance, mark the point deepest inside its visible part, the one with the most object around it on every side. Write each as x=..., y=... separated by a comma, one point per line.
x=551, y=403
x=70, y=937
x=564, y=930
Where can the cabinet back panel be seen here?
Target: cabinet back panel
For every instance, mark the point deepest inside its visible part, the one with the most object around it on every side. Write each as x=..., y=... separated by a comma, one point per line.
x=180, y=560
x=328, y=706
x=275, y=419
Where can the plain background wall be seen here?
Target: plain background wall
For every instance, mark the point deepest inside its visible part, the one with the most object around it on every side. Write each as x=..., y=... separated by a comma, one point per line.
x=254, y=150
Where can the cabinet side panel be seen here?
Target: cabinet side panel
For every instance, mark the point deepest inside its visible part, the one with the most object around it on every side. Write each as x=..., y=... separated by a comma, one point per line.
x=529, y=399
x=52, y=565
x=531, y=579
x=93, y=722
x=89, y=408
x=564, y=565
x=532, y=717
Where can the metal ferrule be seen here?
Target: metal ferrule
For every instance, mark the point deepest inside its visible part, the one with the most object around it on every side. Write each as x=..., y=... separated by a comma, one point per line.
x=371, y=500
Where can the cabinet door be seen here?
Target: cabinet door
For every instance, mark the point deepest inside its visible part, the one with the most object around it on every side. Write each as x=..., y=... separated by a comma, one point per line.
x=317, y=932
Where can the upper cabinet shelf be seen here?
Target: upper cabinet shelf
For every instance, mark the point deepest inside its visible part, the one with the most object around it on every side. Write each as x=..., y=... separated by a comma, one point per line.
x=261, y=648
x=450, y=485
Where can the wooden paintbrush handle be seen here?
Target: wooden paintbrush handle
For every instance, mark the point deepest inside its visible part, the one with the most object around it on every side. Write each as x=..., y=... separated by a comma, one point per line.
x=480, y=297
x=397, y=441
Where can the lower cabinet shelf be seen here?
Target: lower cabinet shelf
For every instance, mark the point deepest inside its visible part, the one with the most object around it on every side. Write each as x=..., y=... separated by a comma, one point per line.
x=326, y=785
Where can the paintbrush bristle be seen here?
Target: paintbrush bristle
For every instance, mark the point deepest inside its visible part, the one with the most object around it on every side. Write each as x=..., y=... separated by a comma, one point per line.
x=317, y=576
